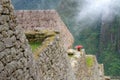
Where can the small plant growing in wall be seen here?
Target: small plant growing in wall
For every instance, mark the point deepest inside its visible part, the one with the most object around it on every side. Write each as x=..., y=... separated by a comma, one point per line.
x=34, y=45
x=89, y=61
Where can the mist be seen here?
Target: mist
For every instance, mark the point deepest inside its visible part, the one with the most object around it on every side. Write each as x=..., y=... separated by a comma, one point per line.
x=93, y=10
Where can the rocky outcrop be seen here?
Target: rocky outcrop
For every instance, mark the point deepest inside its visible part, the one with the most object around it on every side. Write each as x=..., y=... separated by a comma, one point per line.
x=45, y=19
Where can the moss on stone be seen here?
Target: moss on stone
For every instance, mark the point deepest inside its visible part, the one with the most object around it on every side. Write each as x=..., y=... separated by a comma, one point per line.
x=35, y=38
x=43, y=46
x=89, y=61
x=35, y=45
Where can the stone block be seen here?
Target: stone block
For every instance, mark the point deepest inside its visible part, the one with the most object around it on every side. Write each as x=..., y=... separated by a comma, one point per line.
x=1, y=66
x=8, y=42
x=2, y=46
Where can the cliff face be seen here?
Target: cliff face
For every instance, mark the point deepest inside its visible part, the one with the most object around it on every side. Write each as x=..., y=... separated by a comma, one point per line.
x=42, y=20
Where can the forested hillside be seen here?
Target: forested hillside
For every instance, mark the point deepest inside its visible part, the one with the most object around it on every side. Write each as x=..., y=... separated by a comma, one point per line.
x=98, y=31
x=35, y=4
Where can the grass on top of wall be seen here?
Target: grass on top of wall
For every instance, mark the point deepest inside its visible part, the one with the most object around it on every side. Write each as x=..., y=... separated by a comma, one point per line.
x=89, y=61
x=34, y=45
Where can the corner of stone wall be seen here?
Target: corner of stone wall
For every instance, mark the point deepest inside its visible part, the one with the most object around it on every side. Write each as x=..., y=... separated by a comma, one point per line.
x=95, y=70
x=101, y=71
x=85, y=67
x=47, y=37
x=78, y=63
x=51, y=58
x=16, y=59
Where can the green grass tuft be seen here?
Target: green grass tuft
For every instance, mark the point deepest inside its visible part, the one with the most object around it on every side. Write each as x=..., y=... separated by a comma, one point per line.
x=89, y=61
x=34, y=45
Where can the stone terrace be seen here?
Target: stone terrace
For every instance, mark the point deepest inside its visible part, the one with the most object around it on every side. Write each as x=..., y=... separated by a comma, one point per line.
x=45, y=19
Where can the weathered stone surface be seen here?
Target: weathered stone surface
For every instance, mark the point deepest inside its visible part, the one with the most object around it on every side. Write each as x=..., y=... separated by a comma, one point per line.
x=2, y=46
x=1, y=36
x=51, y=57
x=8, y=42
x=4, y=33
x=1, y=8
x=42, y=20
x=95, y=70
x=10, y=32
x=78, y=64
x=84, y=69
x=13, y=64
x=101, y=71
x=4, y=27
x=108, y=78
x=1, y=66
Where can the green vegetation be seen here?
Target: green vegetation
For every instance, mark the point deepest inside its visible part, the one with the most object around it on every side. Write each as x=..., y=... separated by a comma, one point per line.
x=34, y=45
x=89, y=61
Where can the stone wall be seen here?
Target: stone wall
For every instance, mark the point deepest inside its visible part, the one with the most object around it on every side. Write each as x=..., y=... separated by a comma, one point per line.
x=95, y=70
x=16, y=59
x=40, y=35
x=85, y=69
x=101, y=71
x=42, y=20
x=52, y=61
x=78, y=64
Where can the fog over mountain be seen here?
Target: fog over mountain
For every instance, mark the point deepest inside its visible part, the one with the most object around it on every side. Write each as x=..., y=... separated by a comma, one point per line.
x=92, y=10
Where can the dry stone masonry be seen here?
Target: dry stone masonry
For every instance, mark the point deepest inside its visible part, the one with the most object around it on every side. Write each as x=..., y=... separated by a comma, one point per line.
x=95, y=70
x=50, y=60
x=16, y=59
x=85, y=67
x=42, y=20
x=78, y=64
